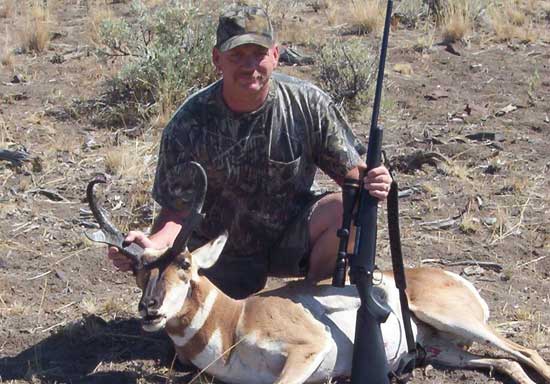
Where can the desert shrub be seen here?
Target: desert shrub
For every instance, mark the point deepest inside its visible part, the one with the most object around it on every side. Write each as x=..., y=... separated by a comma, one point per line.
x=98, y=12
x=167, y=56
x=411, y=11
x=347, y=71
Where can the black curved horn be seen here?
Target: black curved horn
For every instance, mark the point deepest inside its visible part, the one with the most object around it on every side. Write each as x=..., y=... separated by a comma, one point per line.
x=191, y=221
x=108, y=233
x=103, y=221
x=195, y=216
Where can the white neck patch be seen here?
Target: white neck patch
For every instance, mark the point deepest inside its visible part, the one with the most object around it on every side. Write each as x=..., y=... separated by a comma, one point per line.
x=198, y=320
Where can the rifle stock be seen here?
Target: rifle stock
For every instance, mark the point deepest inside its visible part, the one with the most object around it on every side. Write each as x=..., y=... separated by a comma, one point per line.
x=370, y=364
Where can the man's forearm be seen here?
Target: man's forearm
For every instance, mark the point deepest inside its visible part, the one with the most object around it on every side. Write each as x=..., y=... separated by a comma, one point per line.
x=166, y=227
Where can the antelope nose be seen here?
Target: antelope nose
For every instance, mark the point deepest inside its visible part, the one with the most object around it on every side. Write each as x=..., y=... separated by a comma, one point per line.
x=148, y=305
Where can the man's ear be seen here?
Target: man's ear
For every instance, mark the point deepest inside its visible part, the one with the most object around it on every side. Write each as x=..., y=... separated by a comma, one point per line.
x=216, y=57
x=276, y=53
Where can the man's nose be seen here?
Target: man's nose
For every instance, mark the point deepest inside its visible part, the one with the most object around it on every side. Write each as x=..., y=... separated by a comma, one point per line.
x=249, y=62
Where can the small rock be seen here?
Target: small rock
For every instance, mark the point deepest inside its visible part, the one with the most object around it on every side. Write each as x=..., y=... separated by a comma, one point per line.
x=490, y=221
x=18, y=78
x=61, y=275
x=476, y=67
x=507, y=109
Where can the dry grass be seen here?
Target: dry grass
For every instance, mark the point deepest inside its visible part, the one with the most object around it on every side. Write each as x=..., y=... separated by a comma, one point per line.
x=367, y=15
x=469, y=224
x=35, y=36
x=511, y=20
x=13, y=309
x=7, y=9
x=131, y=160
x=425, y=40
x=527, y=34
x=431, y=189
x=6, y=58
x=6, y=53
x=456, y=21
x=99, y=11
x=458, y=170
x=296, y=32
x=134, y=164
x=114, y=306
x=88, y=305
x=5, y=139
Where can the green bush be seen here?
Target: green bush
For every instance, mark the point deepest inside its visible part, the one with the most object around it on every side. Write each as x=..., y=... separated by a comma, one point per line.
x=167, y=53
x=347, y=70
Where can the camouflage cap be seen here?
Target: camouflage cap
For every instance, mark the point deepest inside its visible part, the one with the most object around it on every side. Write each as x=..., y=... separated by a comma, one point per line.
x=241, y=25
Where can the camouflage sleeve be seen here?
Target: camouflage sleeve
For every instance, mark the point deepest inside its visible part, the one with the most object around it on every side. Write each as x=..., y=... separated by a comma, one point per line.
x=340, y=150
x=172, y=188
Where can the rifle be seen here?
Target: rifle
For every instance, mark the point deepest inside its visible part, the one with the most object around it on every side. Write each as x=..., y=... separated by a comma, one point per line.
x=370, y=365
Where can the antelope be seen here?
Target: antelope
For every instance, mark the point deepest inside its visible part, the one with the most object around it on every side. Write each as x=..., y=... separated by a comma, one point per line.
x=304, y=332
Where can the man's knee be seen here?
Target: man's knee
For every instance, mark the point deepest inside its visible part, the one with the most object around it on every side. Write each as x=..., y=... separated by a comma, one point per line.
x=326, y=215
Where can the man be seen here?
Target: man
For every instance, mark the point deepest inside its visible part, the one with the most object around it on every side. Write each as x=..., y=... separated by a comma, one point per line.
x=260, y=137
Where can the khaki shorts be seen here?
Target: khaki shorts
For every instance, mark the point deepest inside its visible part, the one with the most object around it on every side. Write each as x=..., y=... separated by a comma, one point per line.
x=240, y=276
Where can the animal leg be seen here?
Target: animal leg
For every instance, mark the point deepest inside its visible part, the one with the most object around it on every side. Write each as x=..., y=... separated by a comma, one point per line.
x=300, y=364
x=525, y=355
x=484, y=334
x=450, y=355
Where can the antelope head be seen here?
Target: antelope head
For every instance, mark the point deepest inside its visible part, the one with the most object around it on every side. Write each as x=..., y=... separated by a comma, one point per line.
x=164, y=275
x=167, y=280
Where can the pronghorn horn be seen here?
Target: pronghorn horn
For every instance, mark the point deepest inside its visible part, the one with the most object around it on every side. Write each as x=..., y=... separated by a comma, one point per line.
x=108, y=233
x=195, y=216
x=103, y=221
x=192, y=220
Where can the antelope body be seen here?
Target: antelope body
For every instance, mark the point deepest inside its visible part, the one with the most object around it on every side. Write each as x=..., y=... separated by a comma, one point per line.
x=301, y=333
x=304, y=333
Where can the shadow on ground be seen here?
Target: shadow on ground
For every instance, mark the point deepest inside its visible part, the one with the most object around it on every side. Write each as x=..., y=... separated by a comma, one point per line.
x=93, y=351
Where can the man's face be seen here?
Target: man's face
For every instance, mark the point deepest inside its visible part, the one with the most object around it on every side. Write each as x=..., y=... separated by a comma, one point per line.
x=246, y=69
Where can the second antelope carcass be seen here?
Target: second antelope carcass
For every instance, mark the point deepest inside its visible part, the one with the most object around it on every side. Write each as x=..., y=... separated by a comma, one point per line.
x=303, y=333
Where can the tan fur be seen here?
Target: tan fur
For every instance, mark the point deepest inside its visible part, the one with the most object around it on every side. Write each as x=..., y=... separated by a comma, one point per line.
x=427, y=298
x=278, y=340
x=224, y=317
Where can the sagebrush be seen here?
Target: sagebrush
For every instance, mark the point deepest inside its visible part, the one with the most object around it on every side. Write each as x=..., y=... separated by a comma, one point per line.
x=167, y=54
x=346, y=70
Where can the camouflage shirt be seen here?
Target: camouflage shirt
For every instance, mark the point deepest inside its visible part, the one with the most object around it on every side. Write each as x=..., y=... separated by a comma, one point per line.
x=260, y=165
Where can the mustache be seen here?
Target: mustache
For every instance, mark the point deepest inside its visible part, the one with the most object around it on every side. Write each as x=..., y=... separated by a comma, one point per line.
x=254, y=75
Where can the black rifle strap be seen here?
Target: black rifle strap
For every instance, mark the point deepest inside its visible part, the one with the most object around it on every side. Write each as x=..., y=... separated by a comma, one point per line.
x=399, y=273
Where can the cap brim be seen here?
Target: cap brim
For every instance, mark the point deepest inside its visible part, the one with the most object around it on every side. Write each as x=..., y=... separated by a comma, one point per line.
x=249, y=38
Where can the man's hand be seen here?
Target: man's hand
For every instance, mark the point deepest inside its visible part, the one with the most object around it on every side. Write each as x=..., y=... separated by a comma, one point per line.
x=121, y=261
x=378, y=182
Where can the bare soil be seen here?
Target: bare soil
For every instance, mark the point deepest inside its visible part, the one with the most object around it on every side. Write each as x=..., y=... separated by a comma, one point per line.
x=66, y=316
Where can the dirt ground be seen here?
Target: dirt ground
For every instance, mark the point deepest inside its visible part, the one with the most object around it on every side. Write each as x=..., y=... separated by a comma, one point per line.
x=66, y=316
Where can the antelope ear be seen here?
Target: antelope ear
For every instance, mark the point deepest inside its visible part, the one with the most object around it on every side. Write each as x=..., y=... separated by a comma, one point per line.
x=207, y=255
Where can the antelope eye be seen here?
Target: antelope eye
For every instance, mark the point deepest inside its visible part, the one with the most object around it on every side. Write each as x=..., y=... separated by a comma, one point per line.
x=185, y=264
